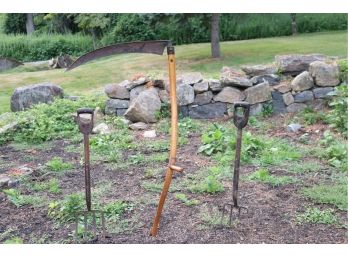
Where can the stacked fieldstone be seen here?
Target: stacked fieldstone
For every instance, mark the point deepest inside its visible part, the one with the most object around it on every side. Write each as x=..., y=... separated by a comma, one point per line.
x=289, y=85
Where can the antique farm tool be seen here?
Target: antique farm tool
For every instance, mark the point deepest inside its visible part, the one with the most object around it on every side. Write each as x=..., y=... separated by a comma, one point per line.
x=151, y=47
x=85, y=123
x=240, y=121
x=173, y=140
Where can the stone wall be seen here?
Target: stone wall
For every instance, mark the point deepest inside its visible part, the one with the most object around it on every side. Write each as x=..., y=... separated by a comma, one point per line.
x=289, y=85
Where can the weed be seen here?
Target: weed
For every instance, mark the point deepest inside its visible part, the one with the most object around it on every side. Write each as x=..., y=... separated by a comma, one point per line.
x=183, y=198
x=304, y=167
x=56, y=164
x=152, y=187
x=263, y=175
x=113, y=211
x=309, y=116
x=52, y=186
x=211, y=217
x=335, y=194
x=338, y=116
x=316, y=216
x=210, y=184
x=67, y=209
x=159, y=157
x=14, y=240
x=164, y=111
x=152, y=173
x=267, y=110
x=15, y=197
x=216, y=139
x=136, y=159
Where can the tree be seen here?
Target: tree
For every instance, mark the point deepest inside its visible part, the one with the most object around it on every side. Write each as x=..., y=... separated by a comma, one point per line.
x=293, y=24
x=92, y=22
x=30, y=23
x=215, y=35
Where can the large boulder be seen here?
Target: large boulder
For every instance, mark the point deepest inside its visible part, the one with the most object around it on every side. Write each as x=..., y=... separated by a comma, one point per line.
x=112, y=105
x=324, y=74
x=208, y=111
x=190, y=78
x=144, y=107
x=302, y=82
x=258, y=70
x=229, y=95
x=203, y=98
x=135, y=92
x=259, y=93
x=8, y=63
x=296, y=63
x=322, y=92
x=278, y=103
x=117, y=91
x=233, y=77
x=272, y=79
x=25, y=97
x=185, y=94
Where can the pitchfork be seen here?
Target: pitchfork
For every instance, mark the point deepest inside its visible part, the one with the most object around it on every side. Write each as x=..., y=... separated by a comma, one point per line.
x=240, y=121
x=85, y=124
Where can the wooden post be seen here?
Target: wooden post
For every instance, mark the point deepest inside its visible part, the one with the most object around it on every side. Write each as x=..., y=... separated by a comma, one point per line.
x=173, y=140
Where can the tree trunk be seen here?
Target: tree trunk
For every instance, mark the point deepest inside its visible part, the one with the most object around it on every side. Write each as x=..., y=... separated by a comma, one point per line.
x=30, y=24
x=215, y=35
x=293, y=24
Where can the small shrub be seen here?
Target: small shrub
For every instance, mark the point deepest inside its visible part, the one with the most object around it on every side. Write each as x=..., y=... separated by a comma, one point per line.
x=57, y=164
x=263, y=176
x=67, y=209
x=316, y=216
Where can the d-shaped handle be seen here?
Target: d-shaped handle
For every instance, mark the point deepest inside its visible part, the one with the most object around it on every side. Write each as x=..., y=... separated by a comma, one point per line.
x=240, y=121
x=85, y=125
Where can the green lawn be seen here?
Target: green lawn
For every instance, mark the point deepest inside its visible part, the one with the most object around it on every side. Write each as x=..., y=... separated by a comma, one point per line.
x=194, y=57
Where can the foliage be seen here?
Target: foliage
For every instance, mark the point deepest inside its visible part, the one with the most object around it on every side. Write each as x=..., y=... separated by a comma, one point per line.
x=164, y=112
x=14, y=240
x=343, y=66
x=215, y=140
x=335, y=194
x=207, y=181
x=263, y=175
x=45, y=122
x=15, y=23
x=115, y=210
x=183, y=198
x=43, y=47
x=338, y=116
x=52, y=186
x=267, y=110
x=15, y=197
x=67, y=209
x=57, y=164
x=316, y=216
x=311, y=116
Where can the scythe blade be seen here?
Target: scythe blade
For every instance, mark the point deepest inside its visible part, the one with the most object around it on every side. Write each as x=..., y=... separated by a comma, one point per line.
x=150, y=47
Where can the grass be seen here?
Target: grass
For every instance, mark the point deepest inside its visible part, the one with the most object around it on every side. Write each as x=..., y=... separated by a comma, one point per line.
x=262, y=175
x=317, y=216
x=185, y=200
x=92, y=77
x=19, y=200
x=56, y=164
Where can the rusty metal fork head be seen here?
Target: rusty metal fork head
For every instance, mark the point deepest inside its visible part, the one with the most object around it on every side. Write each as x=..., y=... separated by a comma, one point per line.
x=87, y=227
x=231, y=209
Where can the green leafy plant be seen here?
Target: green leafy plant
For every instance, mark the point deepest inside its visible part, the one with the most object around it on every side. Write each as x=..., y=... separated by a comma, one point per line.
x=164, y=111
x=14, y=240
x=215, y=140
x=310, y=116
x=57, y=164
x=317, y=216
x=15, y=197
x=338, y=116
x=114, y=210
x=52, y=186
x=183, y=198
x=343, y=66
x=263, y=176
x=67, y=209
x=267, y=110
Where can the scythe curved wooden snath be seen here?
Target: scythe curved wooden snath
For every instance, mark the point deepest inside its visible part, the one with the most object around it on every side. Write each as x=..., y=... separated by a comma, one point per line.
x=151, y=47
x=173, y=139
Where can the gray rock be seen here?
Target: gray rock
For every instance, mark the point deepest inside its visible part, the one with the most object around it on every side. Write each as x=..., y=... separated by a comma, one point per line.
x=101, y=128
x=117, y=91
x=25, y=97
x=150, y=134
x=201, y=87
x=324, y=74
x=293, y=127
x=288, y=98
x=233, y=77
x=164, y=96
x=112, y=105
x=144, y=107
x=257, y=70
x=208, y=111
x=121, y=112
x=72, y=97
x=203, y=98
x=185, y=94
x=98, y=115
x=321, y=92
x=12, y=183
x=256, y=109
x=8, y=127
x=283, y=87
x=229, y=95
x=8, y=63
x=137, y=82
x=215, y=85
x=139, y=126
x=183, y=111
x=278, y=103
x=304, y=96
x=4, y=179
x=295, y=63
x=318, y=104
x=272, y=79
x=190, y=78
x=302, y=82
x=258, y=94
x=135, y=92
x=296, y=107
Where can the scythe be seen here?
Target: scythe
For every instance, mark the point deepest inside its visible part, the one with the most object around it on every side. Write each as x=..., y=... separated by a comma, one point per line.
x=151, y=47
